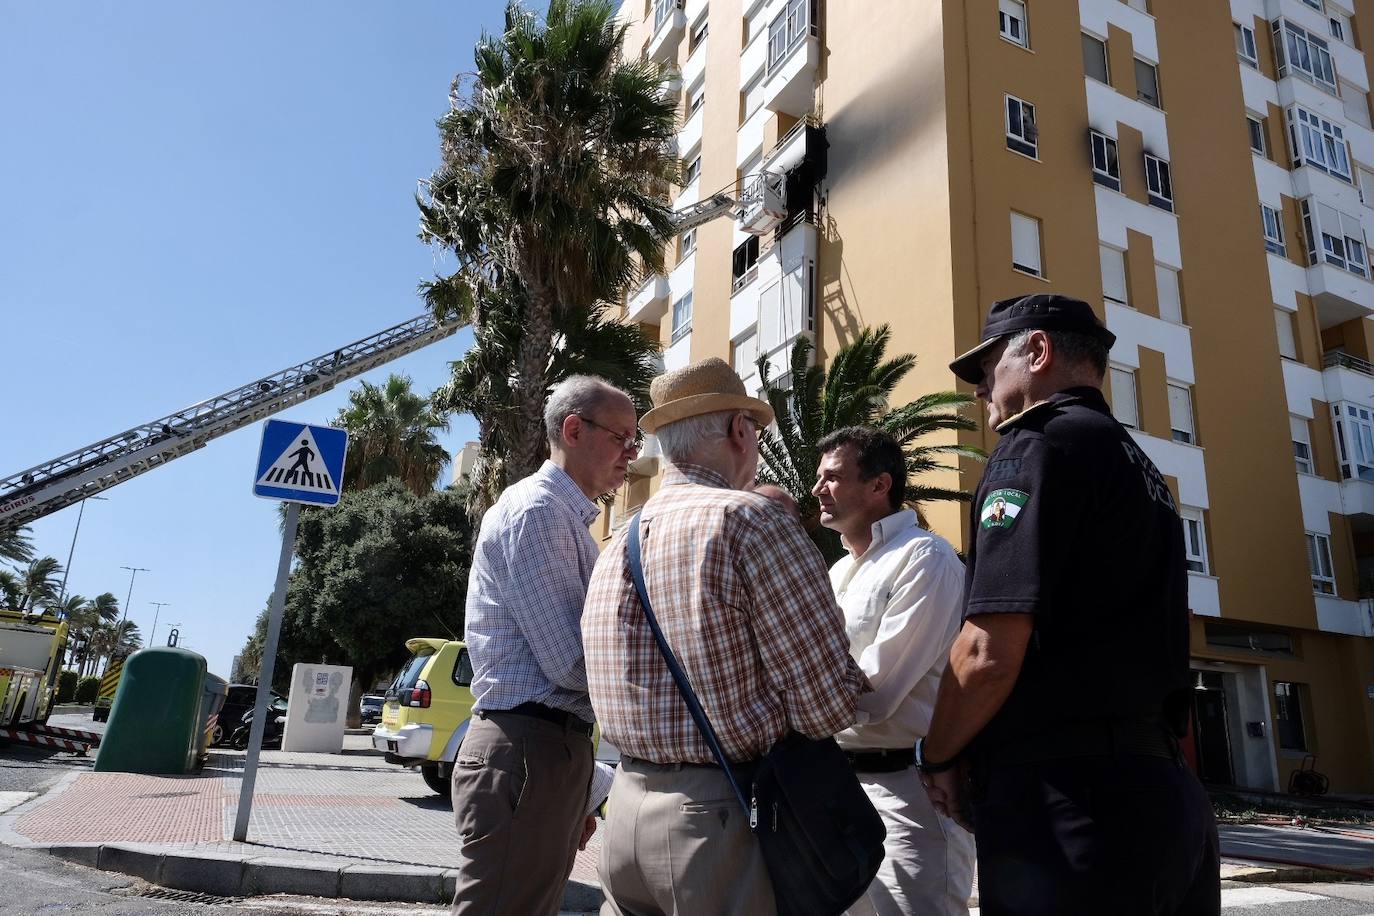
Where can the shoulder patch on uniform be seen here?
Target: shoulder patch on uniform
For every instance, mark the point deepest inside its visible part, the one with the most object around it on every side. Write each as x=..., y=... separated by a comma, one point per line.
x=1003, y=468
x=1001, y=507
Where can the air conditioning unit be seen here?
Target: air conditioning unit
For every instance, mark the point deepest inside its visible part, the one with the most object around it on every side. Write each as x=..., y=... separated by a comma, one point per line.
x=764, y=203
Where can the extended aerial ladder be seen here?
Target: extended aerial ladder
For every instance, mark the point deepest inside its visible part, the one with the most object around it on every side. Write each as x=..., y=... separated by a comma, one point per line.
x=41, y=490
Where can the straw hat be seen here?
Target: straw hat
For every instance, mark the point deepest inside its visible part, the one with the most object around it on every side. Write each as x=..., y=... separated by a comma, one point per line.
x=703, y=387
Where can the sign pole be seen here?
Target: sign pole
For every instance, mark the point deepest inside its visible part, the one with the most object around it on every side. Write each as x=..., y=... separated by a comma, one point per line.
x=269, y=658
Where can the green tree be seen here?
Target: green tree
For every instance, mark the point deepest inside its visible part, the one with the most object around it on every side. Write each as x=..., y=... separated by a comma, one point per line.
x=556, y=156
x=589, y=341
x=11, y=590
x=383, y=566
x=856, y=390
x=16, y=546
x=84, y=620
x=392, y=433
x=39, y=584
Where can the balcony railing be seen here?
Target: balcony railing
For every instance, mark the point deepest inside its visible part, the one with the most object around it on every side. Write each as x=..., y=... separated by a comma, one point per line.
x=1335, y=359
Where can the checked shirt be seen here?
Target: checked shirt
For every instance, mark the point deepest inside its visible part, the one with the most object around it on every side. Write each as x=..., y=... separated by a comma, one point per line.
x=745, y=602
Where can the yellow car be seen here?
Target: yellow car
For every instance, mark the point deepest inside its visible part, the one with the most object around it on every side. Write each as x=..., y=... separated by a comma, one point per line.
x=427, y=709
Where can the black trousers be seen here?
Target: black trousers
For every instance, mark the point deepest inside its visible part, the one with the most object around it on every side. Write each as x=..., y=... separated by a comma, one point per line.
x=1121, y=834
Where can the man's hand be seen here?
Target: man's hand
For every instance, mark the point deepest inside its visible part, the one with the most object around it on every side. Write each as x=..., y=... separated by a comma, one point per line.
x=588, y=828
x=946, y=793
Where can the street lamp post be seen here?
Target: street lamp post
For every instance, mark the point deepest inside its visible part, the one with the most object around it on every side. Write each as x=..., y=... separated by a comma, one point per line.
x=67, y=571
x=119, y=631
x=156, y=614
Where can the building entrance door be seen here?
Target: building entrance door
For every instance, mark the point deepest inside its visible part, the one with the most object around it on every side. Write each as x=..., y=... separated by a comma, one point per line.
x=1212, y=731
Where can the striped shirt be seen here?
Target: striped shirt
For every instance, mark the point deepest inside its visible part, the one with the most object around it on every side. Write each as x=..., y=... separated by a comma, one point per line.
x=744, y=601
x=530, y=567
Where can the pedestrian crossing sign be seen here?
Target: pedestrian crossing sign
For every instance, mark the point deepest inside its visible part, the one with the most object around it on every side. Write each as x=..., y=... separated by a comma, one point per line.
x=301, y=463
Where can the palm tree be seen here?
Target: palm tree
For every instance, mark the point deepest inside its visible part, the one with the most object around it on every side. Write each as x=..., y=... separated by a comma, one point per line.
x=11, y=590
x=555, y=161
x=85, y=621
x=39, y=583
x=16, y=545
x=587, y=341
x=856, y=391
x=392, y=434
x=111, y=640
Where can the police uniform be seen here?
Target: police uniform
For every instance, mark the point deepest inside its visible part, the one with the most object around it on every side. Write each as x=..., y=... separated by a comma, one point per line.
x=1081, y=798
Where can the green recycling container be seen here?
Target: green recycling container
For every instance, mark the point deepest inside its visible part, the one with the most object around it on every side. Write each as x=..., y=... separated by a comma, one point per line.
x=155, y=722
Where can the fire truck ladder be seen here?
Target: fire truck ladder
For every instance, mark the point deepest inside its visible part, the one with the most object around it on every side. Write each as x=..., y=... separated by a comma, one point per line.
x=56, y=484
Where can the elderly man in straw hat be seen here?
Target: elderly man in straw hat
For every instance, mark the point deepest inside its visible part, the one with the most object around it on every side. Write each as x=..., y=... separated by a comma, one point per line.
x=744, y=600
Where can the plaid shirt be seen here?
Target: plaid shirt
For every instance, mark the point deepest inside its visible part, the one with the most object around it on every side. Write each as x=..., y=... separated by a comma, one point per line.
x=744, y=601
x=530, y=567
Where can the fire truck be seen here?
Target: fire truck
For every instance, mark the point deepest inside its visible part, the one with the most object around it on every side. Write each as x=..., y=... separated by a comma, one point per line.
x=30, y=658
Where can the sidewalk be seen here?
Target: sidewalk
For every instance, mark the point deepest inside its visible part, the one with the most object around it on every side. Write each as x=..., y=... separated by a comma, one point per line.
x=325, y=825
x=350, y=825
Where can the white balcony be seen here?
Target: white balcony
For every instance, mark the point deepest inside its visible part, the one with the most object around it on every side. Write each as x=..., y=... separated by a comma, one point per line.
x=679, y=353
x=1339, y=295
x=1357, y=503
x=649, y=303
x=695, y=66
x=1204, y=598
x=790, y=150
x=670, y=23
x=1339, y=615
x=794, y=54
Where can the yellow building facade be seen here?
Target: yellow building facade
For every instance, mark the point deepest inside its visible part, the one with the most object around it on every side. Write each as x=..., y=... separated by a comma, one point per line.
x=1200, y=172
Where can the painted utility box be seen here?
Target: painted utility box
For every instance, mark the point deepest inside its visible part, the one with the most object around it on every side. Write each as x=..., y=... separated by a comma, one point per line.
x=155, y=722
x=317, y=708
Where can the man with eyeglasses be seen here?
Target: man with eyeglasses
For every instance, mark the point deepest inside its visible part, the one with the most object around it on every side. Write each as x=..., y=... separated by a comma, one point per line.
x=522, y=776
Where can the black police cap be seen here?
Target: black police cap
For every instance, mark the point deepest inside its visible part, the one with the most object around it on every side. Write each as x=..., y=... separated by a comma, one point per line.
x=1041, y=312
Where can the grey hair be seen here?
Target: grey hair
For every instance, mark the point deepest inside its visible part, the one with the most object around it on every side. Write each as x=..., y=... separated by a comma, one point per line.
x=681, y=439
x=1073, y=348
x=576, y=394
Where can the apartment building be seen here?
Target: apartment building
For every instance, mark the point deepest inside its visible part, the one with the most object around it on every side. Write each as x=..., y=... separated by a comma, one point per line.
x=1202, y=172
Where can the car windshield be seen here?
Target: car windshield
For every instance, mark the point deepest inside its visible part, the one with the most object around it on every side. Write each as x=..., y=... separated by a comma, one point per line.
x=407, y=678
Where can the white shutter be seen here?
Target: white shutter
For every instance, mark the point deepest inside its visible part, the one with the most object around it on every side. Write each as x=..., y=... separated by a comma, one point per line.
x=1025, y=243
x=1170, y=303
x=1123, y=397
x=1181, y=413
x=792, y=307
x=1356, y=104
x=1283, y=323
x=1366, y=187
x=1113, y=275
x=746, y=354
x=1328, y=219
x=1350, y=228
x=770, y=319
x=753, y=96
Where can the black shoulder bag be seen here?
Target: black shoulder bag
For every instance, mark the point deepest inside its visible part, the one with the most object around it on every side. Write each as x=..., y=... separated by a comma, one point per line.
x=821, y=838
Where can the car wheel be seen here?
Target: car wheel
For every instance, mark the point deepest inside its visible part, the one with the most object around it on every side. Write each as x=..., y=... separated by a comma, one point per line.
x=435, y=776
x=217, y=736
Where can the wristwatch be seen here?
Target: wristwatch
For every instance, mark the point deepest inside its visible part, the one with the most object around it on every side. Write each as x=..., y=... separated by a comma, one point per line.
x=929, y=766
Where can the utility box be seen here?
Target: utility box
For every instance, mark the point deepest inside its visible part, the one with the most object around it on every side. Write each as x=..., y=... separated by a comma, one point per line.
x=155, y=722
x=317, y=708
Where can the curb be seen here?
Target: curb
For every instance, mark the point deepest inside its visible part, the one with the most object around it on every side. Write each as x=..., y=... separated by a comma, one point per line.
x=1286, y=874
x=229, y=875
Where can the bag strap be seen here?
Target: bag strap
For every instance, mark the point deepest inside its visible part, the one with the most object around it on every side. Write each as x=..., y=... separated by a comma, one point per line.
x=679, y=676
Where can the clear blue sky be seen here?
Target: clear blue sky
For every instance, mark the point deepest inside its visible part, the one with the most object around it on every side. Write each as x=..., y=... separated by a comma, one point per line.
x=193, y=195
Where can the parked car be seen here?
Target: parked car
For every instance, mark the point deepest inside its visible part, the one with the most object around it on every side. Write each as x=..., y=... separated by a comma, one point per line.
x=239, y=700
x=370, y=707
x=426, y=710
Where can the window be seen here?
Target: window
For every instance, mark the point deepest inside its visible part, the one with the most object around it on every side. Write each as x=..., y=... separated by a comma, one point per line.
x=1319, y=143
x=1342, y=238
x=1159, y=184
x=755, y=23
x=1125, y=407
x=1181, y=414
x=1315, y=4
x=1319, y=560
x=1283, y=325
x=663, y=10
x=1288, y=714
x=1304, y=55
x=1106, y=170
x=1337, y=23
x=1302, y=443
x=744, y=263
x=751, y=98
x=1256, y=127
x=1095, y=58
x=1245, y=45
x=1170, y=301
x=1147, y=83
x=787, y=30
x=682, y=317
x=1025, y=244
x=1021, y=134
x=1226, y=636
x=1113, y=275
x=1194, y=539
x=696, y=97
x=462, y=669
x=745, y=353
x=1354, y=440
x=687, y=243
x=699, y=33
x=1011, y=22
x=692, y=172
x=1273, y=231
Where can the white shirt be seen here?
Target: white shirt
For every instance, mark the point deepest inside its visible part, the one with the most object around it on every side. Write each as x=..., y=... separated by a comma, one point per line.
x=902, y=600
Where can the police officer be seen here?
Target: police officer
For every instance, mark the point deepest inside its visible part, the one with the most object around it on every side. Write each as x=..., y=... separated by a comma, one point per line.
x=1057, y=721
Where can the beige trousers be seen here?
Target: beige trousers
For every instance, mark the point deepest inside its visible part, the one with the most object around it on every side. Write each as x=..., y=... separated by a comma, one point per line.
x=520, y=789
x=677, y=843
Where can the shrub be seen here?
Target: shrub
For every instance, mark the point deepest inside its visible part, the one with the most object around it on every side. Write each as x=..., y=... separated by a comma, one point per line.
x=87, y=689
x=66, y=686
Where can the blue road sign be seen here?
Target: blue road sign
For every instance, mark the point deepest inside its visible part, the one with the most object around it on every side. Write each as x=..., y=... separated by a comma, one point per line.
x=301, y=463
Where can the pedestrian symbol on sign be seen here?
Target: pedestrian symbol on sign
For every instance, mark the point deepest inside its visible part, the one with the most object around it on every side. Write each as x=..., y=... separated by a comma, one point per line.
x=300, y=463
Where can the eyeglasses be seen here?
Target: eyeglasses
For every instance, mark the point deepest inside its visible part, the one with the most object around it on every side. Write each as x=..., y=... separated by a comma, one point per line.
x=628, y=443
x=758, y=427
